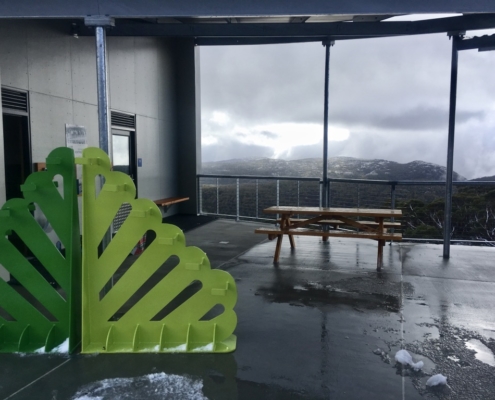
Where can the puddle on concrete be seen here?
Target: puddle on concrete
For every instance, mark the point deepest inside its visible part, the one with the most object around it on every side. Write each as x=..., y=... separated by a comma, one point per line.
x=483, y=353
x=360, y=293
x=314, y=297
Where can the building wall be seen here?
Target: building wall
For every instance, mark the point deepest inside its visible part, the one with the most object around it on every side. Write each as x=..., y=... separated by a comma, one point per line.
x=59, y=71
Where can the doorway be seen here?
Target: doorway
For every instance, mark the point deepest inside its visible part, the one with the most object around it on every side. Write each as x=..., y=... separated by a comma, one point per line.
x=17, y=153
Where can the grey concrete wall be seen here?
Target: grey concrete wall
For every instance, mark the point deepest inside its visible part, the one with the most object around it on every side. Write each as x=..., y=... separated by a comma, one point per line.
x=59, y=72
x=188, y=121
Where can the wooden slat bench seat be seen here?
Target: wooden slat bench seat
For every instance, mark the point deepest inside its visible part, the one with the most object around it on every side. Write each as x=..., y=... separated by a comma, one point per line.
x=167, y=202
x=336, y=218
x=337, y=223
x=273, y=232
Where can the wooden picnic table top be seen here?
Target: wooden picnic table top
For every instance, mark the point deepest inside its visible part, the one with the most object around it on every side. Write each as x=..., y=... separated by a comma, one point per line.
x=334, y=211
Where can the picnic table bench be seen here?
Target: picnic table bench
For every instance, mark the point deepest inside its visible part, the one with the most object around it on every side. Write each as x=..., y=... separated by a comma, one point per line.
x=379, y=229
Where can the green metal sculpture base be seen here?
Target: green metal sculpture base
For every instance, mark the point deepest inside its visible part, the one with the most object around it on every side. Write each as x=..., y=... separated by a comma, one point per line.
x=119, y=314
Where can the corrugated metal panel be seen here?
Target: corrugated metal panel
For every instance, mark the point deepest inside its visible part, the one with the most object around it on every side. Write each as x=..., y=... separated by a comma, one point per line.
x=14, y=100
x=123, y=120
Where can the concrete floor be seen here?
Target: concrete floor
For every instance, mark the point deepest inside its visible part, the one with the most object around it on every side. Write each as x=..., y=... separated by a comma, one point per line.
x=309, y=328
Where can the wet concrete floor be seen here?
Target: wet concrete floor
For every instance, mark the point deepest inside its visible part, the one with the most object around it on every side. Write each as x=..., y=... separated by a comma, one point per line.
x=322, y=324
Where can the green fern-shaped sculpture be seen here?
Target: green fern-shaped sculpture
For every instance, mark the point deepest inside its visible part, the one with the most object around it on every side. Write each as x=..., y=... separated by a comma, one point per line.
x=141, y=328
x=37, y=316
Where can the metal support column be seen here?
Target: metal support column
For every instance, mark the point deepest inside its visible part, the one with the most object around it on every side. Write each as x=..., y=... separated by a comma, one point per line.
x=447, y=225
x=327, y=45
x=101, y=23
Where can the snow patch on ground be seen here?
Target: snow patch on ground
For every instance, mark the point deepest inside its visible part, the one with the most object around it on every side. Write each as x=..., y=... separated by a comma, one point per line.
x=62, y=348
x=403, y=357
x=437, y=379
x=153, y=386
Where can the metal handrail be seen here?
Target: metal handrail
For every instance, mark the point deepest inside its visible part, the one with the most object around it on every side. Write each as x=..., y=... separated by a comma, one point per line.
x=393, y=184
x=348, y=180
x=273, y=178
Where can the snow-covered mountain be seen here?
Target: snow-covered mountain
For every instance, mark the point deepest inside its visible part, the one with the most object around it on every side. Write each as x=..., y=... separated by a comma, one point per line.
x=338, y=167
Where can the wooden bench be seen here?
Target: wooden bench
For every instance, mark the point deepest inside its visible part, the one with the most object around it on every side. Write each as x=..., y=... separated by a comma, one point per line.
x=337, y=217
x=167, y=202
x=337, y=223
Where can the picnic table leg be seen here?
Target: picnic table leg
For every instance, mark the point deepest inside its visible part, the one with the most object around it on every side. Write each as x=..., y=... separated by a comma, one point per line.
x=379, y=261
x=277, y=248
x=291, y=238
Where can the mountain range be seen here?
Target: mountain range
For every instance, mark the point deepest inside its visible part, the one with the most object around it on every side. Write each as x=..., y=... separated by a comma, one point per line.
x=338, y=167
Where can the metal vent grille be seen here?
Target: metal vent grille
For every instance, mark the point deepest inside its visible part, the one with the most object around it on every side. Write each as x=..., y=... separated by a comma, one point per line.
x=14, y=100
x=123, y=120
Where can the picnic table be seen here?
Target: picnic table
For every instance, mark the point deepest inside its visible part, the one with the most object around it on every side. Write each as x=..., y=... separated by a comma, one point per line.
x=378, y=224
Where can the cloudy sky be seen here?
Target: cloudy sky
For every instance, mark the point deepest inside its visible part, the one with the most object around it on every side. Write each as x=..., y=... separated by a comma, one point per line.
x=389, y=99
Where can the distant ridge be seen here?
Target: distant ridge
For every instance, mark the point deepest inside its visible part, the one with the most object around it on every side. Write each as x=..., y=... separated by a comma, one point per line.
x=485, y=178
x=338, y=167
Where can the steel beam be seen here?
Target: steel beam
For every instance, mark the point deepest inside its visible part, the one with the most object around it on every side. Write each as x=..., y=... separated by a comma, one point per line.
x=447, y=226
x=333, y=30
x=229, y=8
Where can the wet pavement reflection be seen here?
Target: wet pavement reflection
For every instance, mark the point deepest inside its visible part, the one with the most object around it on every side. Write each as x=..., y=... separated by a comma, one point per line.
x=323, y=324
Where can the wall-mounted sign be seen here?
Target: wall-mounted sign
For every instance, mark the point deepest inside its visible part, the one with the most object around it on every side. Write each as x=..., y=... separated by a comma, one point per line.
x=76, y=139
x=75, y=136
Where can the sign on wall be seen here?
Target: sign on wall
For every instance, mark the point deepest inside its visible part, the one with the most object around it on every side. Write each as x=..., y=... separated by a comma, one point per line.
x=76, y=139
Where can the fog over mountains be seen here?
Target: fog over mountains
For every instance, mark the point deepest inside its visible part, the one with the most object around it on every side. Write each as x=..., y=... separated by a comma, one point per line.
x=338, y=167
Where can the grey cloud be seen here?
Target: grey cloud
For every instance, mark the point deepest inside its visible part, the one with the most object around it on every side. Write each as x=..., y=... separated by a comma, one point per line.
x=424, y=118
x=228, y=149
x=392, y=94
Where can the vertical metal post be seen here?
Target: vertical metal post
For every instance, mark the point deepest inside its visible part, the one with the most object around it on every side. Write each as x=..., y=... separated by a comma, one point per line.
x=327, y=45
x=328, y=192
x=100, y=23
x=237, y=200
x=200, y=197
x=392, y=197
x=298, y=190
x=447, y=225
x=278, y=196
x=392, y=205
x=321, y=193
x=102, y=90
x=257, y=204
x=218, y=200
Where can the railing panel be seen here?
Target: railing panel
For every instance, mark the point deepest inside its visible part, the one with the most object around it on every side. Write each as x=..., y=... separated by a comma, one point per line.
x=422, y=203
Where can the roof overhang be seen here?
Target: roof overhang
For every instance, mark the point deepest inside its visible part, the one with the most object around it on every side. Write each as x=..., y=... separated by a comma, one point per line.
x=232, y=9
x=218, y=32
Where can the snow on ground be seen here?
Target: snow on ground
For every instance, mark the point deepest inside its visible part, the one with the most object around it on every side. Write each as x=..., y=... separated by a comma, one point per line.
x=153, y=386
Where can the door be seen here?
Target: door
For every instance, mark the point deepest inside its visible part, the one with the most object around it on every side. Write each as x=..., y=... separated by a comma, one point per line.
x=124, y=153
